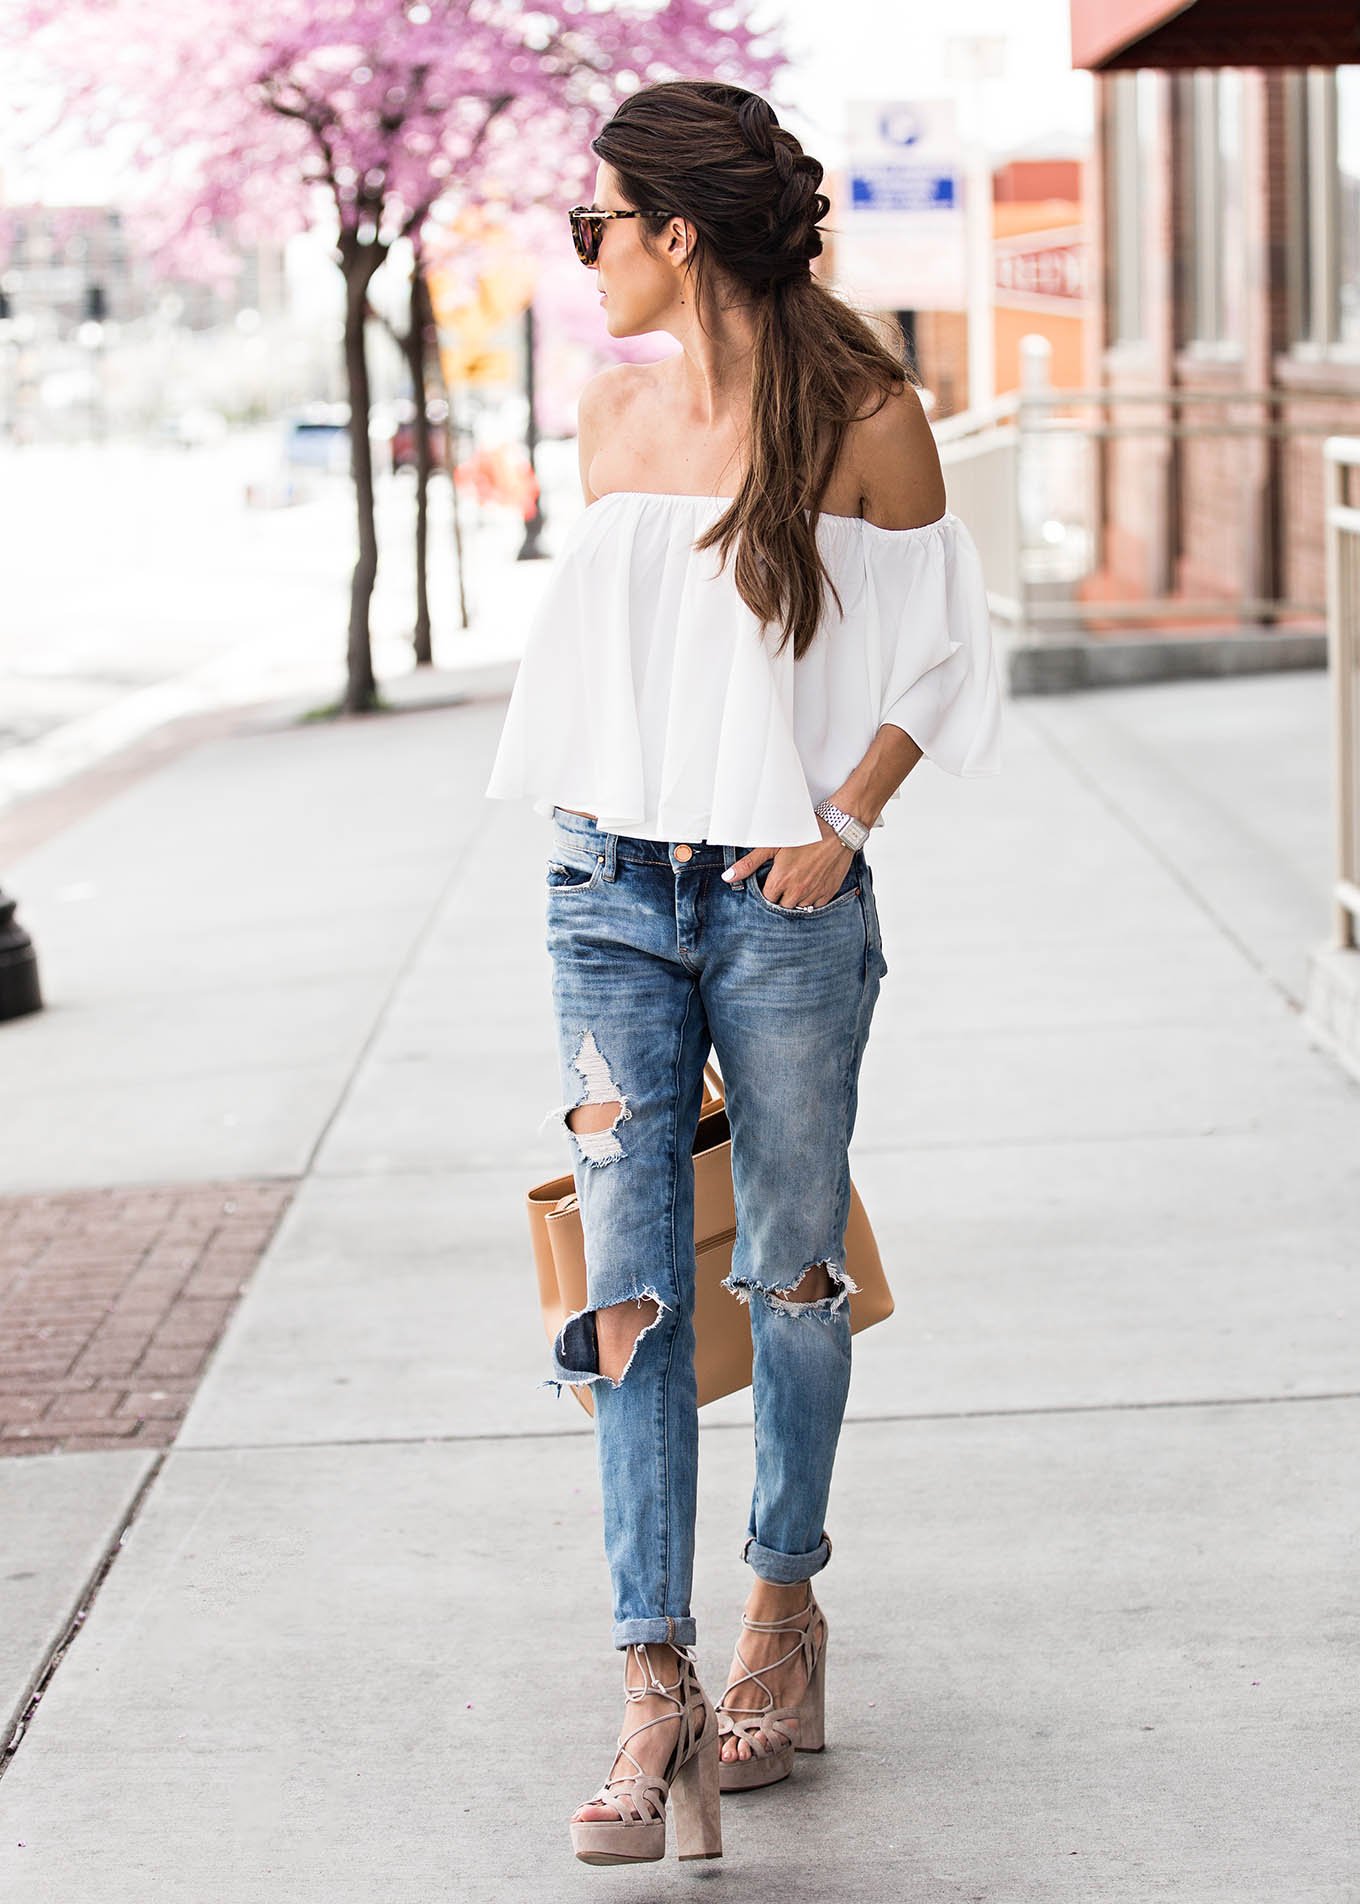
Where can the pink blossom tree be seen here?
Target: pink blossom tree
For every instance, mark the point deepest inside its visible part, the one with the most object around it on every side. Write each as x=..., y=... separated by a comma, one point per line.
x=242, y=113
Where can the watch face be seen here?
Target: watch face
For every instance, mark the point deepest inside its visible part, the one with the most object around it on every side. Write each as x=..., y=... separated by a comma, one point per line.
x=850, y=831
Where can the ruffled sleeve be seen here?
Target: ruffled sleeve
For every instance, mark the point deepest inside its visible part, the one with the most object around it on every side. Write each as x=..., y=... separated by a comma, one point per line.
x=939, y=680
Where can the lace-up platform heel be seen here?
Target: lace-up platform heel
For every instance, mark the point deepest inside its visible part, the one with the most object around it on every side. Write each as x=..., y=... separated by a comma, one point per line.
x=774, y=1733
x=637, y=1834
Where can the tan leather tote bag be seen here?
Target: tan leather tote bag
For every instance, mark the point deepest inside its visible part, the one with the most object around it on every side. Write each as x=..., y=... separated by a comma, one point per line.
x=722, y=1329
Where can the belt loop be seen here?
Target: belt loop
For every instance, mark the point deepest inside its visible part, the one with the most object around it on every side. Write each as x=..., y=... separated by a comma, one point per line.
x=731, y=854
x=611, y=856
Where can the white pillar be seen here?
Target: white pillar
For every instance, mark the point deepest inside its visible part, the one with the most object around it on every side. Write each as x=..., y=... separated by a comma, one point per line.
x=981, y=320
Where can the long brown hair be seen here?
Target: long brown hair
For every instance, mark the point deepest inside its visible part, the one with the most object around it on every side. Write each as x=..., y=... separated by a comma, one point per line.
x=716, y=156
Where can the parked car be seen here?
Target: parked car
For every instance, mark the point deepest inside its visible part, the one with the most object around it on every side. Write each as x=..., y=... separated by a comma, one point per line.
x=317, y=437
x=404, y=434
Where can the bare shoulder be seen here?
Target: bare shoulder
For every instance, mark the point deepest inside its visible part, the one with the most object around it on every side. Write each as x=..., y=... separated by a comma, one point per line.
x=603, y=408
x=891, y=451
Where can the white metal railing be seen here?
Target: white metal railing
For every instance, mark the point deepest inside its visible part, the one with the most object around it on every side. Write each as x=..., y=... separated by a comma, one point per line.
x=982, y=478
x=1021, y=472
x=1341, y=461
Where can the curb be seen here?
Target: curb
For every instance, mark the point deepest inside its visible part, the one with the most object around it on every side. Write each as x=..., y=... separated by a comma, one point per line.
x=1059, y=667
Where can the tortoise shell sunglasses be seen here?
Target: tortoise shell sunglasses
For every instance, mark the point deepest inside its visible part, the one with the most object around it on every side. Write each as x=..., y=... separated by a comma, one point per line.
x=587, y=228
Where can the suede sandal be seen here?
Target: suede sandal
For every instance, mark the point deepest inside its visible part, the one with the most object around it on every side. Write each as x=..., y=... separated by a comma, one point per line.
x=774, y=1733
x=637, y=1835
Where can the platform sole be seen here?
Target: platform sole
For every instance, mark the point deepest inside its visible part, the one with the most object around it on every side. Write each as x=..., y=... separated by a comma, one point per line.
x=750, y=1775
x=597, y=1842
x=619, y=1857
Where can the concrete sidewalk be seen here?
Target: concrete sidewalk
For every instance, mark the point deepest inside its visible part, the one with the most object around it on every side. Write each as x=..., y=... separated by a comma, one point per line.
x=1094, y=1514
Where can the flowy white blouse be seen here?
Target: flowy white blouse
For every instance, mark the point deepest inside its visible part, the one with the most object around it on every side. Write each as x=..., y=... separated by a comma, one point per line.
x=650, y=696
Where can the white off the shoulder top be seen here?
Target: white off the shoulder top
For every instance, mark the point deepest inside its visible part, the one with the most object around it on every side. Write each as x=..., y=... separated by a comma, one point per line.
x=649, y=696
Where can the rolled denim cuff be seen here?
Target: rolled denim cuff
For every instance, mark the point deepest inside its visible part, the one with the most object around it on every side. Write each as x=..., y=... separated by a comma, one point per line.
x=664, y=1632
x=785, y=1569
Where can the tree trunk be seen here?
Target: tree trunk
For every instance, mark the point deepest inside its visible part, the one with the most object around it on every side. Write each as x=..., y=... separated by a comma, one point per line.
x=455, y=451
x=416, y=362
x=359, y=262
x=454, y=442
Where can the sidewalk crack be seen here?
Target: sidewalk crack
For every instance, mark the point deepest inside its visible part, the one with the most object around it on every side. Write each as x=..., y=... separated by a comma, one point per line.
x=46, y=1672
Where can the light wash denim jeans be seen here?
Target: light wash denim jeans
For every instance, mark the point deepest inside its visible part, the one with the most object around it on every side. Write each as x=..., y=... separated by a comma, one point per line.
x=655, y=958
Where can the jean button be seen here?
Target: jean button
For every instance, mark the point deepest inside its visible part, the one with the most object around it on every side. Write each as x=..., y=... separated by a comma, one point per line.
x=683, y=853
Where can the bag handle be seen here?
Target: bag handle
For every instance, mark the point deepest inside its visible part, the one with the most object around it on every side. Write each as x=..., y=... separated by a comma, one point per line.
x=714, y=1093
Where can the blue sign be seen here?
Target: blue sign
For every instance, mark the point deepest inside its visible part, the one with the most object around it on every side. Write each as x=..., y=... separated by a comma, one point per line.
x=903, y=188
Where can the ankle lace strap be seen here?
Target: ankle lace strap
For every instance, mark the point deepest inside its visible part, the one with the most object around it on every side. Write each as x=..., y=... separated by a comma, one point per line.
x=746, y=1719
x=791, y=1623
x=650, y=1682
x=680, y=1694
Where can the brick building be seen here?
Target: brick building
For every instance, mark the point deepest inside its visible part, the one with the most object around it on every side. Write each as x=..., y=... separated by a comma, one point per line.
x=1226, y=252
x=1041, y=284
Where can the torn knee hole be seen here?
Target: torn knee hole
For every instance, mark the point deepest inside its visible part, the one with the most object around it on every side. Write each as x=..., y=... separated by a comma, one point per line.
x=821, y=1290
x=594, y=1122
x=598, y=1345
x=619, y=1330
x=594, y=1117
x=814, y=1286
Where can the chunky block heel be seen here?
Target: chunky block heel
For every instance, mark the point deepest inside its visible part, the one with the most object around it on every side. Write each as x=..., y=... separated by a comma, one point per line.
x=697, y=1803
x=811, y=1734
x=637, y=1832
x=774, y=1733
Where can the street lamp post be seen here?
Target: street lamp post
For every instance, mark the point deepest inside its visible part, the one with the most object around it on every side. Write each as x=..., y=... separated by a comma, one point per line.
x=533, y=527
x=91, y=338
x=8, y=417
x=19, y=988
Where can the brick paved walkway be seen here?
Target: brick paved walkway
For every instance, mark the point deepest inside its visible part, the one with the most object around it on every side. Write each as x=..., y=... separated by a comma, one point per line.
x=111, y=1302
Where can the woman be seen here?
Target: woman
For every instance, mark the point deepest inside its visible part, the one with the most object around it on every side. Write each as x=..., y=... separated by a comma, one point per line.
x=763, y=618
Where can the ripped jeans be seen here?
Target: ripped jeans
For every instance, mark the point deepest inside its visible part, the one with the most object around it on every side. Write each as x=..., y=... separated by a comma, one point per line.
x=655, y=958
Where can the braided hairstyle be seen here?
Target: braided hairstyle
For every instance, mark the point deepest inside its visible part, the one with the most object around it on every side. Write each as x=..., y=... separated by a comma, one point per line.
x=716, y=155
x=790, y=239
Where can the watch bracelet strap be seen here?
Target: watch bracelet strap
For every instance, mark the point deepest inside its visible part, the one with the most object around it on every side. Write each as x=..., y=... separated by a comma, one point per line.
x=837, y=819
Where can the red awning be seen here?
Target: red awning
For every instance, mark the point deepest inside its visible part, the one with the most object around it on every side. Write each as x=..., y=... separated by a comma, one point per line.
x=1111, y=33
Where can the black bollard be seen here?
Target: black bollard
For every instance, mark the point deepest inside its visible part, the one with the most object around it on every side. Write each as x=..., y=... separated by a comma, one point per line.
x=19, y=990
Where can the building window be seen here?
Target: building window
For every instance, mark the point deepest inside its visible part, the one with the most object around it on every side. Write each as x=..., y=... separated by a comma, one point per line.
x=1299, y=250
x=1131, y=142
x=1216, y=232
x=1347, y=84
x=1323, y=121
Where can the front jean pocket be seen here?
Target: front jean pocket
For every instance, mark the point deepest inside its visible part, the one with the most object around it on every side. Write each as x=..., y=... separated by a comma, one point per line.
x=574, y=876
x=845, y=892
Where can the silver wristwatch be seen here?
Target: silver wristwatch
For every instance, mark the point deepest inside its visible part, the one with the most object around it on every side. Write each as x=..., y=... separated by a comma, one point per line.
x=850, y=831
